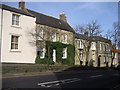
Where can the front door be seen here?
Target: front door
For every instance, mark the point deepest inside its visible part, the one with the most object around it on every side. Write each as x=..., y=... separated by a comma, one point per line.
x=54, y=55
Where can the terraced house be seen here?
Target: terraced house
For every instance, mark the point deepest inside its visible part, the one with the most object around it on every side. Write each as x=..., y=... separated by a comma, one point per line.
x=48, y=31
x=28, y=36
x=100, y=48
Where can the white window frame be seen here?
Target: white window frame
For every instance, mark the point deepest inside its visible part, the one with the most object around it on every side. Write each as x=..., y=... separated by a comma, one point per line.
x=80, y=44
x=40, y=34
x=13, y=42
x=93, y=57
x=64, y=38
x=81, y=57
x=64, y=53
x=15, y=19
x=93, y=45
x=104, y=59
x=41, y=50
x=54, y=37
x=100, y=46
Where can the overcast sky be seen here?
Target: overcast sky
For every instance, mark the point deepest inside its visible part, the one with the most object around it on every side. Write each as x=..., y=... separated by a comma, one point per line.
x=78, y=12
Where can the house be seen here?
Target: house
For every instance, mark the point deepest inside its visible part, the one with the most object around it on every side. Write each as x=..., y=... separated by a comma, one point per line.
x=94, y=46
x=17, y=46
x=14, y=38
x=116, y=59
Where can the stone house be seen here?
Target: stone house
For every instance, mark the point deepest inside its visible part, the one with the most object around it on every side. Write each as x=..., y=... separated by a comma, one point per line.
x=99, y=47
x=47, y=28
x=116, y=57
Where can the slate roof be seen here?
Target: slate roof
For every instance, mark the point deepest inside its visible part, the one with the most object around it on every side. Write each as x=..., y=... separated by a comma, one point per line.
x=50, y=21
x=99, y=38
x=93, y=38
x=12, y=9
x=81, y=36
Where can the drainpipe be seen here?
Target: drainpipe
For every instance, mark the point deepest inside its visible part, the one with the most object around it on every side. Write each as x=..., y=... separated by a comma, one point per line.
x=1, y=22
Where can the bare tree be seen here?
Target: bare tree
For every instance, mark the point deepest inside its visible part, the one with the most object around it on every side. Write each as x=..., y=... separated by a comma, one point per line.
x=40, y=37
x=114, y=36
x=93, y=28
x=90, y=29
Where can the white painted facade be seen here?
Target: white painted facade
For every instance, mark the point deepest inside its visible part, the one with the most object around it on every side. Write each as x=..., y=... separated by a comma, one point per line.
x=26, y=52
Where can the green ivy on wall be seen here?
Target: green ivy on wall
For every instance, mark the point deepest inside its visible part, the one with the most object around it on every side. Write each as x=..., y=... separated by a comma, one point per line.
x=58, y=46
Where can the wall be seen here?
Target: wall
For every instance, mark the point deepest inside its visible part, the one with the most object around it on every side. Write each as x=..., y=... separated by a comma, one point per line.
x=27, y=51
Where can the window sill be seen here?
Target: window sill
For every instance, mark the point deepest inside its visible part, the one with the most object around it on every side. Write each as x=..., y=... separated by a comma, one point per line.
x=64, y=57
x=15, y=26
x=16, y=51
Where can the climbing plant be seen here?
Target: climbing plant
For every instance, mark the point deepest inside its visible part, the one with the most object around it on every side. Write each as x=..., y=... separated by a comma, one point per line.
x=58, y=46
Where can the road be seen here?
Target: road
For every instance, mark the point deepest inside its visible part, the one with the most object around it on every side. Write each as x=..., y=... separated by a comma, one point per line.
x=96, y=79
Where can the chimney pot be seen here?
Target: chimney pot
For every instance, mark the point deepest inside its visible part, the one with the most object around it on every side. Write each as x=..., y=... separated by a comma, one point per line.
x=63, y=17
x=22, y=4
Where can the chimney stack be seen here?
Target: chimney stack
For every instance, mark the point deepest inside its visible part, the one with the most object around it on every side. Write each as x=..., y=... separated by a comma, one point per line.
x=86, y=32
x=63, y=17
x=22, y=4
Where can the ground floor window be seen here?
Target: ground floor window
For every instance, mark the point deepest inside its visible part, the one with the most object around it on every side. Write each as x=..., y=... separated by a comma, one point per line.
x=64, y=53
x=81, y=57
x=41, y=52
x=14, y=42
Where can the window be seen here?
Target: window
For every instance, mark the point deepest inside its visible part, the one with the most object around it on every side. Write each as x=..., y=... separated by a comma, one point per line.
x=100, y=47
x=104, y=59
x=54, y=37
x=64, y=53
x=41, y=52
x=81, y=57
x=39, y=34
x=93, y=46
x=15, y=19
x=80, y=44
x=64, y=38
x=14, y=42
x=93, y=57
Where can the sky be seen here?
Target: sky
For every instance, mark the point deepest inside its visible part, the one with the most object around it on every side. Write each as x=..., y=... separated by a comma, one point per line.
x=78, y=13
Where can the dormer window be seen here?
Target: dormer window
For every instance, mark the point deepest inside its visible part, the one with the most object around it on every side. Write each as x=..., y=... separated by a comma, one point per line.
x=15, y=19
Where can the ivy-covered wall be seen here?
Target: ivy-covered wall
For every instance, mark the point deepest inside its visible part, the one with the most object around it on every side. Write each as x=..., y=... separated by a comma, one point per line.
x=58, y=46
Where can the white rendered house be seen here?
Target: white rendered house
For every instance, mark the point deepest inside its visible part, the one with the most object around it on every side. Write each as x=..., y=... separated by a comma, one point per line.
x=15, y=40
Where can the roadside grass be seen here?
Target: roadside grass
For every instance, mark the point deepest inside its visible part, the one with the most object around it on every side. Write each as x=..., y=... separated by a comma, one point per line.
x=28, y=68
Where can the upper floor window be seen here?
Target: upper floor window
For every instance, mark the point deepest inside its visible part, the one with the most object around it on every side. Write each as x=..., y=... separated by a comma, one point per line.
x=15, y=19
x=54, y=37
x=93, y=46
x=39, y=34
x=14, y=42
x=64, y=38
x=80, y=44
x=100, y=46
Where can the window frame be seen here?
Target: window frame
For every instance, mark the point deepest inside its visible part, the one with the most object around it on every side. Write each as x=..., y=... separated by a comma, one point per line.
x=15, y=19
x=64, y=55
x=15, y=43
x=54, y=37
x=39, y=50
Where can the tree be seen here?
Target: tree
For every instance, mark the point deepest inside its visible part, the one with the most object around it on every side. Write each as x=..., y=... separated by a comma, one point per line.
x=93, y=28
x=40, y=37
x=90, y=29
x=114, y=36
